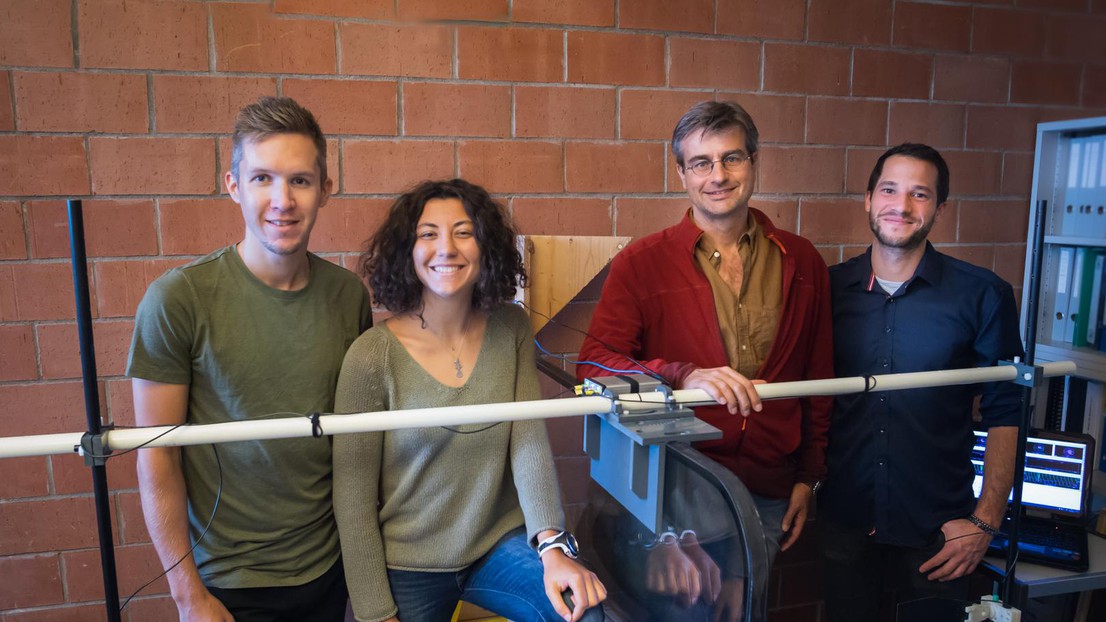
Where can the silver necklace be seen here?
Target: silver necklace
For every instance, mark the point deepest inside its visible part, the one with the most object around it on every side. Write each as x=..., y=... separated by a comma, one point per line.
x=459, y=350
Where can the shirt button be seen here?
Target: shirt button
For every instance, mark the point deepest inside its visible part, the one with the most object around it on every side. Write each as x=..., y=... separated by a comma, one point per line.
x=881, y=463
x=882, y=430
x=887, y=329
x=883, y=398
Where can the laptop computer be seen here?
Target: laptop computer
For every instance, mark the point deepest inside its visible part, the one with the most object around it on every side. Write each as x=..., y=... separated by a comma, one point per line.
x=1055, y=497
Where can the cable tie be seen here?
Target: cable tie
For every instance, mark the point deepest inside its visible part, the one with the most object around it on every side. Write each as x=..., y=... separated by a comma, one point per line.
x=869, y=383
x=316, y=426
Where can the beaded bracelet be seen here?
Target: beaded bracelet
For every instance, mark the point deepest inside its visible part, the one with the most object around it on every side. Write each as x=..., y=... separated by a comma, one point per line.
x=984, y=527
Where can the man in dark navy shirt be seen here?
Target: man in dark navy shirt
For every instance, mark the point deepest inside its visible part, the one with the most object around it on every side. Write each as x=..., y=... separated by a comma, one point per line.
x=897, y=510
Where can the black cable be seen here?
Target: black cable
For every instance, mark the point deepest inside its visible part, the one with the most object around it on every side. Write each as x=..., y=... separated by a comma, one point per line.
x=585, y=333
x=456, y=431
x=210, y=521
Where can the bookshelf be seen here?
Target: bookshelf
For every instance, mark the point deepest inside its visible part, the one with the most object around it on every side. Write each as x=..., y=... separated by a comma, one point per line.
x=1069, y=182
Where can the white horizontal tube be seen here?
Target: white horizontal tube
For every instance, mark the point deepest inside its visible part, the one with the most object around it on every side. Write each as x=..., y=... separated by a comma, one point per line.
x=293, y=427
x=885, y=382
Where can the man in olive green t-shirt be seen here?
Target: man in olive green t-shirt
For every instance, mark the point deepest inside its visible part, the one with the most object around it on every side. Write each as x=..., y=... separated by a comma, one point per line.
x=254, y=330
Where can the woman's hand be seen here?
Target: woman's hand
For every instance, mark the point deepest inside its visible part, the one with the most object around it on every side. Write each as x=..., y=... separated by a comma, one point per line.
x=563, y=573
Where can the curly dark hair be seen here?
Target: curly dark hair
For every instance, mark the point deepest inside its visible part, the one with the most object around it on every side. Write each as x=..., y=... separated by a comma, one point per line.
x=389, y=267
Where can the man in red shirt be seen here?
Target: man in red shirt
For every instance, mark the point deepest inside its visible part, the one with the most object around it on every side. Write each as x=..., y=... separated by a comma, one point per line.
x=717, y=300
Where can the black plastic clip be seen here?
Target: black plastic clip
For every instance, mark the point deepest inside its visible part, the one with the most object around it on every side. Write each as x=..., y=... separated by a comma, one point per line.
x=93, y=450
x=1028, y=375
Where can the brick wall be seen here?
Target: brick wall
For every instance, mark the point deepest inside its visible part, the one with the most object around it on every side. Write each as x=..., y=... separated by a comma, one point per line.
x=561, y=107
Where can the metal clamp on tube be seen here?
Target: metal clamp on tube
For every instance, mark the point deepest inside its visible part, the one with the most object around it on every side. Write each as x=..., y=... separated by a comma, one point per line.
x=626, y=445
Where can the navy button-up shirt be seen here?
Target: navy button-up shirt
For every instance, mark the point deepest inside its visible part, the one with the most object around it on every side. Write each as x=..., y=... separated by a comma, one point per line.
x=900, y=461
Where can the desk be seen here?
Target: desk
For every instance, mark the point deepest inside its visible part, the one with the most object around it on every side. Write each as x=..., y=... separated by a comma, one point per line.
x=1036, y=581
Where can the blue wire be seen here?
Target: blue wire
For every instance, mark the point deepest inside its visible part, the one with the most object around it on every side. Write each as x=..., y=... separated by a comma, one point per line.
x=599, y=365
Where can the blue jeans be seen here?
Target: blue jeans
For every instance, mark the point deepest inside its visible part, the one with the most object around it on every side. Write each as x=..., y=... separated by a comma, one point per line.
x=507, y=581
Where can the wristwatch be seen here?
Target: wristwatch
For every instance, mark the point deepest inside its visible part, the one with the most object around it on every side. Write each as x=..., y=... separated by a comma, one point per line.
x=564, y=541
x=815, y=487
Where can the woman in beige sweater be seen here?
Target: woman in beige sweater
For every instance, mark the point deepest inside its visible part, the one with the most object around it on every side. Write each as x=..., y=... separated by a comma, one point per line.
x=430, y=516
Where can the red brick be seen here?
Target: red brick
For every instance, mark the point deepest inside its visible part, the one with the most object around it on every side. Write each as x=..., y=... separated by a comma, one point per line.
x=937, y=125
x=120, y=402
x=7, y=115
x=822, y=170
x=18, y=345
x=151, y=609
x=779, y=118
x=204, y=103
x=368, y=9
x=1094, y=93
x=152, y=165
x=143, y=35
x=714, y=64
x=81, y=102
x=37, y=292
x=378, y=167
x=135, y=565
x=120, y=285
x=846, y=121
x=1033, y=82
x=1075, y=38
x=30, y=581
x=344, y=224
x=891, y=74
x=974, y=172
x=348, y=106
x=572, y=472
x=849, y=21
x=132, y=525
x=690, y=15
x=933, y=26
x=1017, y=173
x=512, y=166
x=13, y=244
x=993, y=221
x=784, y=213
x=71, y=476
x=566, y=435
x=640, y=217
x=418, y=50
x=1008, y=31
x=198, y=227
x=615, y=58
x=614, y=167
x=476, y=10
x=36, y=33
x=510, y=54
x=831, y=255
x=44, y=408
x=1079, y=6
x=806, y=69
x=762, y=19
x=1002, y=127
x=433, y=109
x=564, y=112
x=111, y=228
x=67, y=613
x=51, y=165
x=562, y=216
x=47, y=525
x=24, y=477
x=570, y=12
x=248, y=38
x=653, y=114
x=60, y=351
x=971, y=78
x=1010, y=262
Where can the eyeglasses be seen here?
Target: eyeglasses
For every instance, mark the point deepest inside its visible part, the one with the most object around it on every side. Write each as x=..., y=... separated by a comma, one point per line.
x=731, y=162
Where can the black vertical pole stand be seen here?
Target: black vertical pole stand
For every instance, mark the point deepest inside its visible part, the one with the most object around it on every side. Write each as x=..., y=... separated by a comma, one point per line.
x=1029, y=301
x=93, y=449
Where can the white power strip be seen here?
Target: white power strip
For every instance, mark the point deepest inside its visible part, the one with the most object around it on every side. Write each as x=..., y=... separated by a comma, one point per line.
x=990, y=608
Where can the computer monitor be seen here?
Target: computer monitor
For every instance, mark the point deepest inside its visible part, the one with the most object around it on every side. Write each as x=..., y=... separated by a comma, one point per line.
x=1057, y=471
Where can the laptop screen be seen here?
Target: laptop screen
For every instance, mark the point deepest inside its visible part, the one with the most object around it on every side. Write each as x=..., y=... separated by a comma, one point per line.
x=1057, y=472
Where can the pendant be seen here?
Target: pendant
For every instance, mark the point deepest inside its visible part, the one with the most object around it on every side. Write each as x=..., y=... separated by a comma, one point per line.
x=457, y=366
